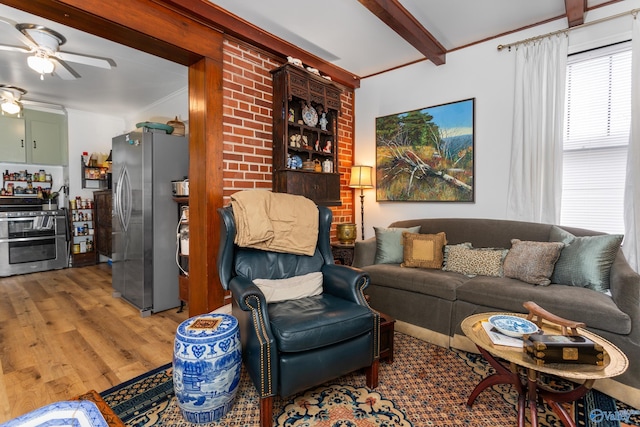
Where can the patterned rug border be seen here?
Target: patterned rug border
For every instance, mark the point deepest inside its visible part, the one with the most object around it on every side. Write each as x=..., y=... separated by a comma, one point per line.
x=127, y=383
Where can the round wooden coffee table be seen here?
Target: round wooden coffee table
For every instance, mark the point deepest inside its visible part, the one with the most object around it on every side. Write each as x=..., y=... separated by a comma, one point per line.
x=615, y=363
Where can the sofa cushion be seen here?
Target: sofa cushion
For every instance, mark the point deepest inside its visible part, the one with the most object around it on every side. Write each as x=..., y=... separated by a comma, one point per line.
x=423, y=250
x=473, y=261
x=595, y=309
x=389, y=244
x=532, y=262
x=296, y=287
x=585, y=261
x=438, y=283
x=318, y=321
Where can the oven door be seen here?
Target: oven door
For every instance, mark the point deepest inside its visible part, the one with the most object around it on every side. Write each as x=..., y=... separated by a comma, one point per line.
x=30, y=244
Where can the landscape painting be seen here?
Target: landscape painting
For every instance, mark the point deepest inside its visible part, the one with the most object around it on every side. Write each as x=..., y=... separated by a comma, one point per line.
x=426, y=155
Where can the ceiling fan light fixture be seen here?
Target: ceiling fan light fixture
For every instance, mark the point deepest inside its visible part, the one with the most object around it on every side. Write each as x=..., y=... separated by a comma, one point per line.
x=41, y=63
x=11, y=107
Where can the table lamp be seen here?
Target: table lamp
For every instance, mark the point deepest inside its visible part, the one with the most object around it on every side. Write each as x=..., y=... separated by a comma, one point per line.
x=361, y=177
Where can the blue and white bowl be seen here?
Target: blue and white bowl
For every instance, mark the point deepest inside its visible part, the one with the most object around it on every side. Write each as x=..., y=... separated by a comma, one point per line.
x=513, y=326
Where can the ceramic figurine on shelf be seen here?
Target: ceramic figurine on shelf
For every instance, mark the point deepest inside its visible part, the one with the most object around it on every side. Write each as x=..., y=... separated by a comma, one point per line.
x=327, y=147
x=323, y=121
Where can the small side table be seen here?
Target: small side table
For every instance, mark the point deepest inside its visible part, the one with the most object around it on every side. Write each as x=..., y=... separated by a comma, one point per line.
x=529, y=391
x=343, y=253
x=387, y=327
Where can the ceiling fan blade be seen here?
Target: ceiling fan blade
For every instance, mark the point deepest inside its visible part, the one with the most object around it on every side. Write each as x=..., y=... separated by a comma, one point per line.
x=17, y=33
x=14, y=48
x=64, y=70
x=94, y=61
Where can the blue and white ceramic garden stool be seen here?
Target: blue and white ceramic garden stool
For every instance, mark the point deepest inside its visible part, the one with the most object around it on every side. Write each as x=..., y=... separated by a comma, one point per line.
x=206, y=366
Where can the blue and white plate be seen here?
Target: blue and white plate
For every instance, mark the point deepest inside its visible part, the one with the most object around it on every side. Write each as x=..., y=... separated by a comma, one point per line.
x=513, y=326
x=77, y=413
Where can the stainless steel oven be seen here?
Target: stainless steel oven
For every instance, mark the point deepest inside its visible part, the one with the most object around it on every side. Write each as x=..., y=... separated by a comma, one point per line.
x=33, y=241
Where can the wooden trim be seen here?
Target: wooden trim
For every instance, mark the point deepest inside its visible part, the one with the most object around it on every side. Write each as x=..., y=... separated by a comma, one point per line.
x=575, y=11
x=141, y=24
x=392, y=13
x=205, y=180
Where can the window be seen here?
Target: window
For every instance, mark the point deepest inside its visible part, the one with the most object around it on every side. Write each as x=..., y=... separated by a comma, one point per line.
x=596, y=136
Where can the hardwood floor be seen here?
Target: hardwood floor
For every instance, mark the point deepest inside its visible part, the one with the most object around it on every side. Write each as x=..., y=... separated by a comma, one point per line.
x=62, y=334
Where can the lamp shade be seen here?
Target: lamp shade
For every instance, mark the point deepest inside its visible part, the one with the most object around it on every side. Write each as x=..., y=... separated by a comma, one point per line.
x=361, y=177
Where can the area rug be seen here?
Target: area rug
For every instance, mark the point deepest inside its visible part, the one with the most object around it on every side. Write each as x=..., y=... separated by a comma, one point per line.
x=426, y=385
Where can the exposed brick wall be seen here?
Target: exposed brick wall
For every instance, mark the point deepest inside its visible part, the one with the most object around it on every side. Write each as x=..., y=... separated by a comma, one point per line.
x=248, y=94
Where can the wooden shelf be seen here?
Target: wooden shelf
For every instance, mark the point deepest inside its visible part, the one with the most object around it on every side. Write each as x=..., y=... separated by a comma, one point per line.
x=294, y=90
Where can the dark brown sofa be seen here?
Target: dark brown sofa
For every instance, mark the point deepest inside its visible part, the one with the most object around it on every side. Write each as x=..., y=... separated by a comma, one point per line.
x=431, y=303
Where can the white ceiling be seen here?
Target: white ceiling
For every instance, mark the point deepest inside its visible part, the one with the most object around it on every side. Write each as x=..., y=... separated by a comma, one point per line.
x=342, y=32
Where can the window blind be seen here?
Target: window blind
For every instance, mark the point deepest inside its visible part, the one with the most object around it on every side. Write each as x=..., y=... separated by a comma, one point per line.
x=596, y=136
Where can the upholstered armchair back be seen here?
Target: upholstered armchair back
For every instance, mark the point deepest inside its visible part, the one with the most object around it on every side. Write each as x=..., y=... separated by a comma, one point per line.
x=254, y=263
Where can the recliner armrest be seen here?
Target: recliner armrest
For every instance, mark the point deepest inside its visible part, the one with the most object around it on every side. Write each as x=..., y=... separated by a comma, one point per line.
x=345, y=282
x=241, y=288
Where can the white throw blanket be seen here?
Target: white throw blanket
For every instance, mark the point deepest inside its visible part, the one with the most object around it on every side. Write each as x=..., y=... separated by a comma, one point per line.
x=277, y=222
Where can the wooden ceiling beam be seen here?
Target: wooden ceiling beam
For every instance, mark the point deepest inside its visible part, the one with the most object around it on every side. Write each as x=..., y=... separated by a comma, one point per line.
x=392, y=13
x=575, y=10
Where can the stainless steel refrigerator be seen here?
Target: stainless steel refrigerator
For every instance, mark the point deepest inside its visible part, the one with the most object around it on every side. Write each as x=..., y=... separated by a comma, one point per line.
x=145, y=218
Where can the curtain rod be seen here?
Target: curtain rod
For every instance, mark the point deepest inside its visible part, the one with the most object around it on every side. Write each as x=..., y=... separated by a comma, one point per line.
x=633, y=12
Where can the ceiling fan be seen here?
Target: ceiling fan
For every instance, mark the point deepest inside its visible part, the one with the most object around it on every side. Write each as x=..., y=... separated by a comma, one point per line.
x=44, y=45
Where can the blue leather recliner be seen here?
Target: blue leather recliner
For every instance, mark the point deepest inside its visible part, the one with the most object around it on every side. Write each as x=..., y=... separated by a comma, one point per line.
x=291, y=346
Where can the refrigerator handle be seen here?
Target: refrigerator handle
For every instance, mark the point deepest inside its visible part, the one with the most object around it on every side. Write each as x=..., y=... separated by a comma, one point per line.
x=118, y=198
x=127, y=205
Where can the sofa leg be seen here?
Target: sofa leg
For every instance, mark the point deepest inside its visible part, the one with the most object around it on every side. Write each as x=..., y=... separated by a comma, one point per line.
x=266, y=411
x=371, y=373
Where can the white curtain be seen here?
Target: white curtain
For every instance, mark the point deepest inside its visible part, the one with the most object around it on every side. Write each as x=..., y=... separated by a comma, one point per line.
x=535, y=178
x=632, y=185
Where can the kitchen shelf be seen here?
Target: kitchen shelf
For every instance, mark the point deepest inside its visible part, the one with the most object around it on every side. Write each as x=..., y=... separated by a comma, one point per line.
x=83, y=236
x=93, y=177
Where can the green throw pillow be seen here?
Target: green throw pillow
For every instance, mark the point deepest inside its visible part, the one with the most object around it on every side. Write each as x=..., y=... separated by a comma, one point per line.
x=585, y=261
x=389, y=244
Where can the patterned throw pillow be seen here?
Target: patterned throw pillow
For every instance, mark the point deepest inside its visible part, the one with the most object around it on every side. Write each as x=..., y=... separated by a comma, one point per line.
x=532, y=262
x=472, y=262
x=423, y=250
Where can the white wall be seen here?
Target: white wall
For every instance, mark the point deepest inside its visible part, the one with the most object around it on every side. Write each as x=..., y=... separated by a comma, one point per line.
x=90, y=132
x=481, y=72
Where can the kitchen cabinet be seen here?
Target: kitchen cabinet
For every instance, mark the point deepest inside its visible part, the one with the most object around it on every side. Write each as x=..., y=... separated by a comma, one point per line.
x=12, y=131
x=305, y=135
x=103, y=209
x=46, y=138
x=39, y=137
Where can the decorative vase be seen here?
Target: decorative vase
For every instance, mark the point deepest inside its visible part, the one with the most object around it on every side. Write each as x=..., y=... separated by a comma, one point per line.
x=347, y=233
x=206, y=366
